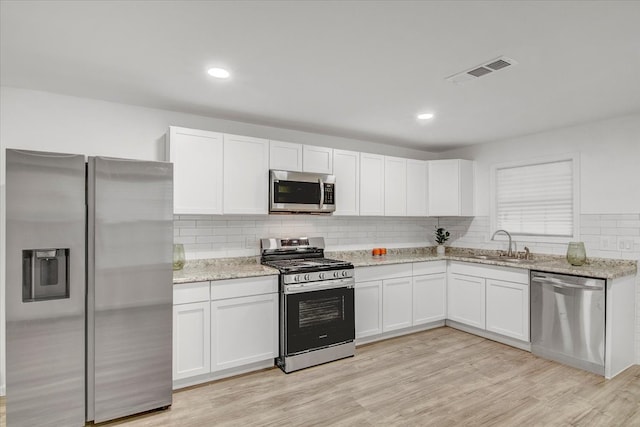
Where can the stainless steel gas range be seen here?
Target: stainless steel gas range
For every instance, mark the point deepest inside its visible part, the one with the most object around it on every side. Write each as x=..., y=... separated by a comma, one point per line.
x=317, y=323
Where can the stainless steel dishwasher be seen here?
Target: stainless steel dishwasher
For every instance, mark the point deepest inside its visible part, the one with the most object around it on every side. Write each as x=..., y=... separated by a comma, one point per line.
x=567, y=319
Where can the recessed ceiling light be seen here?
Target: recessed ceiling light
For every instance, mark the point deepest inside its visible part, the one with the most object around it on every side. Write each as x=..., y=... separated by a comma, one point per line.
x=219, y=73
x=425, y=116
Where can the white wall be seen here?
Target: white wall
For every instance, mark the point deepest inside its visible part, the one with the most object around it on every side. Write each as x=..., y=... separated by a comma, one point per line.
x=609, y=162
x=51, y=122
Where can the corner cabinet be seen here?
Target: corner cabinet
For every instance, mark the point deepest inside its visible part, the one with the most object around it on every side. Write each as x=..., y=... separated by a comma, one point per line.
x=490, y=298
x=246, y=175
x=197, y=170
x=451, y=187
x=397, y=299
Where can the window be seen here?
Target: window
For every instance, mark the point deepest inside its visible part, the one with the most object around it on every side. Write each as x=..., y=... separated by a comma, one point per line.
x=537, y=199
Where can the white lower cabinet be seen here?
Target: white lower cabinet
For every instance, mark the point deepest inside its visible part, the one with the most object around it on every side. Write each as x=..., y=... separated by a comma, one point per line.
x=508, y=309
x=191, y=338
x=191, y=330
x=394, y=298
x=223, y=328
x=397, y=302
x=243, y=330
x=429, y=298
x=491, y=298
x=368, y=308
x=466, y=300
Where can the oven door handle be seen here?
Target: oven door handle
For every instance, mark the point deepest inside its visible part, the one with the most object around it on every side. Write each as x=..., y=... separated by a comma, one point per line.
x=317, y=286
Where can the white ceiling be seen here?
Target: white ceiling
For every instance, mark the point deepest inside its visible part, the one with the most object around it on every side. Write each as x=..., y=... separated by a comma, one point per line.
x=354, y=69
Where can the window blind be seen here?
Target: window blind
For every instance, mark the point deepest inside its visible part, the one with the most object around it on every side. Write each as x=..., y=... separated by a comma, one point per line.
x=536, y=199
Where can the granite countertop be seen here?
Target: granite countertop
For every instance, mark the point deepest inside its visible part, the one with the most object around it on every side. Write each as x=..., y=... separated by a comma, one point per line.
x=603, y=268
x=233, y=268
x=203, y=270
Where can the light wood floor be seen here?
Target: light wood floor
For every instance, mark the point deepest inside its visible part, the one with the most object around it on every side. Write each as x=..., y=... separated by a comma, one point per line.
x=441, y=377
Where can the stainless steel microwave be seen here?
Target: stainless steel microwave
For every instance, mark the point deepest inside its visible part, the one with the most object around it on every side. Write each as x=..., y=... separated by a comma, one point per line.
x=301, y=192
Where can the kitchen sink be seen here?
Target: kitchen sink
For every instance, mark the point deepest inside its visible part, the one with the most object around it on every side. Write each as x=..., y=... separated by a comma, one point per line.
x=500, y=258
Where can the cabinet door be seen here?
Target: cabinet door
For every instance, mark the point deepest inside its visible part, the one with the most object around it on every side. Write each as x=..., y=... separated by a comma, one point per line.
x=429, y=298
x=197, y=170
x=508, y=309
x=246, y=175
x=243, y=330
x=417, y=179
x=368, y=308
x=451, y=187
x=317, y=159
x=466, y=300
x=397, y=303
x=346, y=168
x=395, y=186
x=444, y=185
x=285, y=156
x=191, y=340
x=371, y=184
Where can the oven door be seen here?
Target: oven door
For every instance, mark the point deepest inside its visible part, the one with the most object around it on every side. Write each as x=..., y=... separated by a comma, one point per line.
x=318, y=319
x=301, y=192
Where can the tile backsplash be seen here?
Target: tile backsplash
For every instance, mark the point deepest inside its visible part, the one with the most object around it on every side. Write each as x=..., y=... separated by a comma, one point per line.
x=214, y=236
x=208, y=236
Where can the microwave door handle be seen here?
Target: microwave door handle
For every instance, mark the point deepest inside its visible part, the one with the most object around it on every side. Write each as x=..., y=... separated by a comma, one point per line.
x=321, y=193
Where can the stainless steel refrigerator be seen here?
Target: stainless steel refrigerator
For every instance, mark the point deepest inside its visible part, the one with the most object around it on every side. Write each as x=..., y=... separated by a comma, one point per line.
x=88, y=287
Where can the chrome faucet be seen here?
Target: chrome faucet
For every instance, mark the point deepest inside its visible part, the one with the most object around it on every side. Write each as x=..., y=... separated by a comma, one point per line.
x=510, y=251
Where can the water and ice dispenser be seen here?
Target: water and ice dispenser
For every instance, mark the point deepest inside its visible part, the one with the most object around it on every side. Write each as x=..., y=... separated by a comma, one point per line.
x=45, y=274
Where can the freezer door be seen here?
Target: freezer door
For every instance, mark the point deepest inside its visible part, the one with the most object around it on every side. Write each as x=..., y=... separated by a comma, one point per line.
x=130, y=287
x=45, y=288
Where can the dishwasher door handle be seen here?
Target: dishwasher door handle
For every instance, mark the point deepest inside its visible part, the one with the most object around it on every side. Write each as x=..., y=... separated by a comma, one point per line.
x=557, y=283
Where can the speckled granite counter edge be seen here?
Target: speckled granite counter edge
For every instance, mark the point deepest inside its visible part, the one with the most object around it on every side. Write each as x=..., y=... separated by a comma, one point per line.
x=603, y=268
x=235, y=268
x=203, y=270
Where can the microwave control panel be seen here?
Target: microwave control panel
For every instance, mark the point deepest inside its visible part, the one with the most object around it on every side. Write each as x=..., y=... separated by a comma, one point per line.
x=329, y=194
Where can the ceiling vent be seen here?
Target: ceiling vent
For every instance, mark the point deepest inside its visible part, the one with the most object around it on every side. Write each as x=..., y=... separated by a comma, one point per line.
x=482, y=70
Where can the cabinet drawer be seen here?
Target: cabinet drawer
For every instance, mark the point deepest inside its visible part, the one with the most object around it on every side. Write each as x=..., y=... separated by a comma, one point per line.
x=429, y=267
x=233, y=288
x=509, y=274
x=190, y=292
x=383, y=272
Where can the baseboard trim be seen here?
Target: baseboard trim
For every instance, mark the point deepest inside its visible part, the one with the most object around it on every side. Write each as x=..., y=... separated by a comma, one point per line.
x=218, y=375
x=399, y=332
x=522, y=345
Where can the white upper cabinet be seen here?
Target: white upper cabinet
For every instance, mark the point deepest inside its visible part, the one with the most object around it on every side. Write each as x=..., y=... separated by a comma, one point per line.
x=294, y=157
x=450, y=188
x=395, y=186
x=197, y=170
x=346, y=168
x=285, y=156
x=317, y=159
x=371, y=184
x=417, y=190
x=246, y=175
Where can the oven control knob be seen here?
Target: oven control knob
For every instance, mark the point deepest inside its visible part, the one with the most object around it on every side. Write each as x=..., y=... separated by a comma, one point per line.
x=321, y=276
x=307, y=277
x=296, y=278
x=344, y=274
x=335, y=274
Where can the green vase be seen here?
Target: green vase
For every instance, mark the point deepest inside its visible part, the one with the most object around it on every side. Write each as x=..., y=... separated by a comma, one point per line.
x=576, y=254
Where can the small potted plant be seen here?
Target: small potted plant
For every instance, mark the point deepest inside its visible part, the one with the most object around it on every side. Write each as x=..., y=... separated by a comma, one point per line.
x=442, y=236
